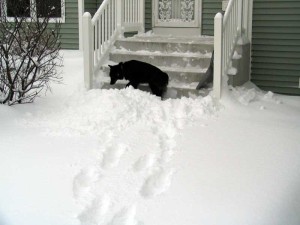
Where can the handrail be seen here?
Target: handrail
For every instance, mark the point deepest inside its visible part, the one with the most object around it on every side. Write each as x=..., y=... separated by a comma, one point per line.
x=228, y=29
x=112, y=19
x=100, y=10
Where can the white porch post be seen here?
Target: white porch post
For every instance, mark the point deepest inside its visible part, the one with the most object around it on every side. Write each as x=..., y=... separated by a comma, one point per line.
x=120, y=16
x=218, y=52
x=247, y=19
x=142, y=16
x=88, y=49
x=240, y=18
x=80, y=13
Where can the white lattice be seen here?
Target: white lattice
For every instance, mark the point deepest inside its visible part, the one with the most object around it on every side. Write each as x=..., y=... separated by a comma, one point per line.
x=187, y=10
x=176, y=10
x=165, y=10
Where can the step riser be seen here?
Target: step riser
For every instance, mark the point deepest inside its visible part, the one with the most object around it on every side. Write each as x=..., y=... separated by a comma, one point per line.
x=171, y=92
x=171, y=61
x=164, y=47
x=184, y=59
x=184, y=77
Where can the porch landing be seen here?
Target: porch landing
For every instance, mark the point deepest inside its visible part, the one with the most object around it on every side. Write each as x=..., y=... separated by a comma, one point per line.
x=184, y=59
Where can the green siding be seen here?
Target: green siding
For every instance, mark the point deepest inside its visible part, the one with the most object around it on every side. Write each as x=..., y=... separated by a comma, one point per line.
x=69, y=29
x=92, y=6
x=276, y=45
x=209, y=9
x=148, y=15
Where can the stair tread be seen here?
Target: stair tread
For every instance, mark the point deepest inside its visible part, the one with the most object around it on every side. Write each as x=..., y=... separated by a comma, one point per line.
x=172, y=83
x=170, y=69
x=183, y=69
x=169, y=39
x=159, y=53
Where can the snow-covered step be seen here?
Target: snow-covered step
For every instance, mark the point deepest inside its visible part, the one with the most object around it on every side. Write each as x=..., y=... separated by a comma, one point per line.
x=178, y=74
x=174, y=59
x=174, y=90
x=184, y=59
x=166, y=45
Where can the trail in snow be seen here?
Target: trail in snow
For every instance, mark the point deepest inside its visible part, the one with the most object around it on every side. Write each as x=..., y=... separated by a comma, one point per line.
x=128, y=171
x=123, y=183
x=132, y=158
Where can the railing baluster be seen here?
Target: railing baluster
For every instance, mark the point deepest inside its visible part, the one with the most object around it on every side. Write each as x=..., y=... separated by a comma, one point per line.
x=106, y=25
x=138, y=11
x=228, y=30
x=97, y=40
x=111, y=19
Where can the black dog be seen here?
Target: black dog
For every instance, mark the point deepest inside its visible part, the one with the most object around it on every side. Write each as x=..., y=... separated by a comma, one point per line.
x=138, y=72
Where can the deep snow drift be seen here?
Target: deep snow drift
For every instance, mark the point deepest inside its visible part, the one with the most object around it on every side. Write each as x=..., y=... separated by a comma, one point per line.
x=124, y=157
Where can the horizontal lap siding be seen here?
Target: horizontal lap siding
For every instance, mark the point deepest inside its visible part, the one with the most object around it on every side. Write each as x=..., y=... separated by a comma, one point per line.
x=148, y=15
x=92, y=6
x=209, y=9
x=276, y=45
x=69, y=29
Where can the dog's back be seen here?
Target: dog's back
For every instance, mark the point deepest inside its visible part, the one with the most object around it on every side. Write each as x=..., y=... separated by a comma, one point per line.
x=138, y=72
x=145, y=72
x=141, y=72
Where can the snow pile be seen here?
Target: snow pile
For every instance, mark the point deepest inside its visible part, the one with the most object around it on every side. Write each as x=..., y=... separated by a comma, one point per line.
x=249, y=93
x=102, y=112
x=109, y=191
x=124, y=157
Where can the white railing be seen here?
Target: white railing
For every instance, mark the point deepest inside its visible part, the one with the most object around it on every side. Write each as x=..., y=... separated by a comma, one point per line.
x=112, y=19
x=228, y=29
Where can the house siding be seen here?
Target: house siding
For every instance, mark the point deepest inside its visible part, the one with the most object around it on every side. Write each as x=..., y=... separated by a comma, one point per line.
x=69, y=29
x=92, y=6
x=276, y=45
x=209, y=9
x=148, y=15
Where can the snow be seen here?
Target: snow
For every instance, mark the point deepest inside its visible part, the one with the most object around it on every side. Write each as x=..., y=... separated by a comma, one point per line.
x=124, y=157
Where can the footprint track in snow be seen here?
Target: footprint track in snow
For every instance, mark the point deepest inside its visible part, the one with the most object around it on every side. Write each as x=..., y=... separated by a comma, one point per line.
x=157, y=183
x=96, y=211
x=145, y=162
x=126, y=216
x=83, y=182
x=112, y=155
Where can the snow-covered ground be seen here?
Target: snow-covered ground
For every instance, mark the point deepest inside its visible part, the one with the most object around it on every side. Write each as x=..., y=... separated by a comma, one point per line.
x=124, y=157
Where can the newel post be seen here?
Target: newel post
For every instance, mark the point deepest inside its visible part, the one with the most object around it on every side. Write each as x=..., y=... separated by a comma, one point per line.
x=218, y=52
x=88, y=59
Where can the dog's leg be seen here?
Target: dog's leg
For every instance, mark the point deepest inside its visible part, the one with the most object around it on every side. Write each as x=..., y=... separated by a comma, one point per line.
x=134, y=85
x=156, y=90
x=127, y=85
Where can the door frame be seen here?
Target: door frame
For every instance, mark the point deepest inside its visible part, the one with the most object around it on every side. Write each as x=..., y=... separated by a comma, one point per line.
x=196, y=24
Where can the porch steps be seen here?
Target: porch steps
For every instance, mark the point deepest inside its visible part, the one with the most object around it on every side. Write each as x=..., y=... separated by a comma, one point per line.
x=184, y=59
x=168, y=44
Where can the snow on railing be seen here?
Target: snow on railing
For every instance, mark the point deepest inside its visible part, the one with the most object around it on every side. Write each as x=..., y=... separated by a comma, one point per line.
x=228, y=29
x=112, y=19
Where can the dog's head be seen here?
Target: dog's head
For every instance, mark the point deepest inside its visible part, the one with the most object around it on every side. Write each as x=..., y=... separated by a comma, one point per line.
x=115, y=73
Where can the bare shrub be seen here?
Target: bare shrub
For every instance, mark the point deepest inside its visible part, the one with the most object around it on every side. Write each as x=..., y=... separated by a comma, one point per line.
x=29, y=50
